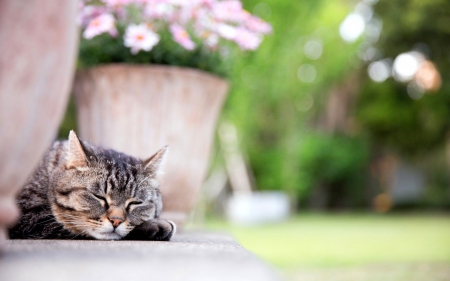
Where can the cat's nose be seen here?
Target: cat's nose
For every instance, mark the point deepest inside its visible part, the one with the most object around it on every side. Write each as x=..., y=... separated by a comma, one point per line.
x=116, y=221
x=116, y=216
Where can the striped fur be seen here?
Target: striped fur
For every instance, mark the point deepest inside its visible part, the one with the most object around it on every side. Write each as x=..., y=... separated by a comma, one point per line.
x=82, y=191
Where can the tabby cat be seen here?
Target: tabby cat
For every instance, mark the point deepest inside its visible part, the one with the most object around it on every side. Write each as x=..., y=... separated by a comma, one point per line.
x=83, y=191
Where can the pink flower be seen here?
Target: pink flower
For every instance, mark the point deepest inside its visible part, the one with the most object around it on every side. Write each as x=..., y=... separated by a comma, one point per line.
x=87, y=13
x=181, y=36
x=227, y=31
x=186, y=13
x=203, y=21
x=209, y=20
x=257, y=25
x=101, y=24
x=230, y=10
x=212, y=41
x=247, y=40
x=140, y=37
x=159, y=10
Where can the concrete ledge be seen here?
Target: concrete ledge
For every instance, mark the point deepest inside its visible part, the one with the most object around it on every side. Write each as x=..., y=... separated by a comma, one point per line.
x=190, y=256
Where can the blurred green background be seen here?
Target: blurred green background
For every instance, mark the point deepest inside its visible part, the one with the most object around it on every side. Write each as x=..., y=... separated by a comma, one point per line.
x=321, y=112
x=309, y=117
x=331, y=130
x=349, y=137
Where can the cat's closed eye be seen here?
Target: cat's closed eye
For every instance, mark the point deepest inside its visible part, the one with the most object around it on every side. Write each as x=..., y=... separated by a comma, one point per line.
x=133, y=203
x=101, y=199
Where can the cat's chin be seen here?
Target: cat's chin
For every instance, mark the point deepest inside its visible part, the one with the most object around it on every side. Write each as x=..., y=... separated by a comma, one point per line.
x=106, y=236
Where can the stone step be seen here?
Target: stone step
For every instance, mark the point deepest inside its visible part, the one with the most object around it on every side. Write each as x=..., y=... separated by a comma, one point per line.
x=189, y=256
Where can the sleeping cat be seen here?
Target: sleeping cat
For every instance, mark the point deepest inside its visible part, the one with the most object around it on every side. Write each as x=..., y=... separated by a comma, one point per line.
x=82, y=191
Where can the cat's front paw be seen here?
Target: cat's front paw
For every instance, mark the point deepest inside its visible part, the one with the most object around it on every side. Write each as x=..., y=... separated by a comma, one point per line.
x=155, y=230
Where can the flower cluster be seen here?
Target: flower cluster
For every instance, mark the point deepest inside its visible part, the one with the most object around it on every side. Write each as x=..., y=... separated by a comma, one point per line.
x=203, y=21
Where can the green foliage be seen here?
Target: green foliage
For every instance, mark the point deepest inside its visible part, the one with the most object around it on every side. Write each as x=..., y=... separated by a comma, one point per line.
x=412, y=127
x=437, y=193
x=338, y=163
x=266, y=98
x=69, y=121
x=407, y=22
x=386, y=112
x=104, y=49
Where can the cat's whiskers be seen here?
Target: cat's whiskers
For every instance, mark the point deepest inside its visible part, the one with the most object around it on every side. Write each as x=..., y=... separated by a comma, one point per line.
x=51, y=219
x=95, y=222
x=79, y=220
x=79, y=225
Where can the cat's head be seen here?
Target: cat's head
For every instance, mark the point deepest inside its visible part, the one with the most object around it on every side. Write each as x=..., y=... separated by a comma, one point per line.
x=102, y=193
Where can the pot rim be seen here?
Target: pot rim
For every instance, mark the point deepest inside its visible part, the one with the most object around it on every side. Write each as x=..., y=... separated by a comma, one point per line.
x=189, y=71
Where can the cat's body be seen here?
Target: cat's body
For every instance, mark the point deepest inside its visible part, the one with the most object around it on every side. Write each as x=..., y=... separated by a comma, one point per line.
x=81, y=191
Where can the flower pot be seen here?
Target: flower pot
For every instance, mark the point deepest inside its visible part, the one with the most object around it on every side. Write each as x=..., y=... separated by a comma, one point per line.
x=138, y=109
x=38, y=42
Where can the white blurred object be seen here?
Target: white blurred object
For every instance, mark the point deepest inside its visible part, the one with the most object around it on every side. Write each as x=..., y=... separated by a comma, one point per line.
x=365, y=10
x=415, y=90
x=373, y=29
x=313, y=49
x=244, y=206
x=234, y=160
x=379, y=71
x=406, y=65
x=407, y=184
x=257, y=207
x=307, y=73
x=352, y=27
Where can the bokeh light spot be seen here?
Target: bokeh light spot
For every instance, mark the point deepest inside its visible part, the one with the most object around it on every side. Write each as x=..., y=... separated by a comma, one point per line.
x=352, y=27
x=406, y=65
x=366, y=52
x=313, y=49
x=373, y=29
x=415, y=90
x=304, y=102
x=428, y=76
x=307, y=73
x=382, y=203
x=365, y=10
x=379, y=71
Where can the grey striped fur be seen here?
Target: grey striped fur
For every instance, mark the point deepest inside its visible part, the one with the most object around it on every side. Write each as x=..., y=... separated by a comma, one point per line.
x=80, y=191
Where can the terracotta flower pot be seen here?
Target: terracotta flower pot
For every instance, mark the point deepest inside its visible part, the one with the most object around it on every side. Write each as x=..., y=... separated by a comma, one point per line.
x=38, y=43
x=139, y=109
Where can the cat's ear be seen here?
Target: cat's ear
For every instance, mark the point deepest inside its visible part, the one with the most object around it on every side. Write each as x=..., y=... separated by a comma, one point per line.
x=154, y=165
x=77, y=156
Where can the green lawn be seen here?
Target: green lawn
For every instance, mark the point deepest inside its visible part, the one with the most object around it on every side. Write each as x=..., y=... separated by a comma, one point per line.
x=345, y=244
